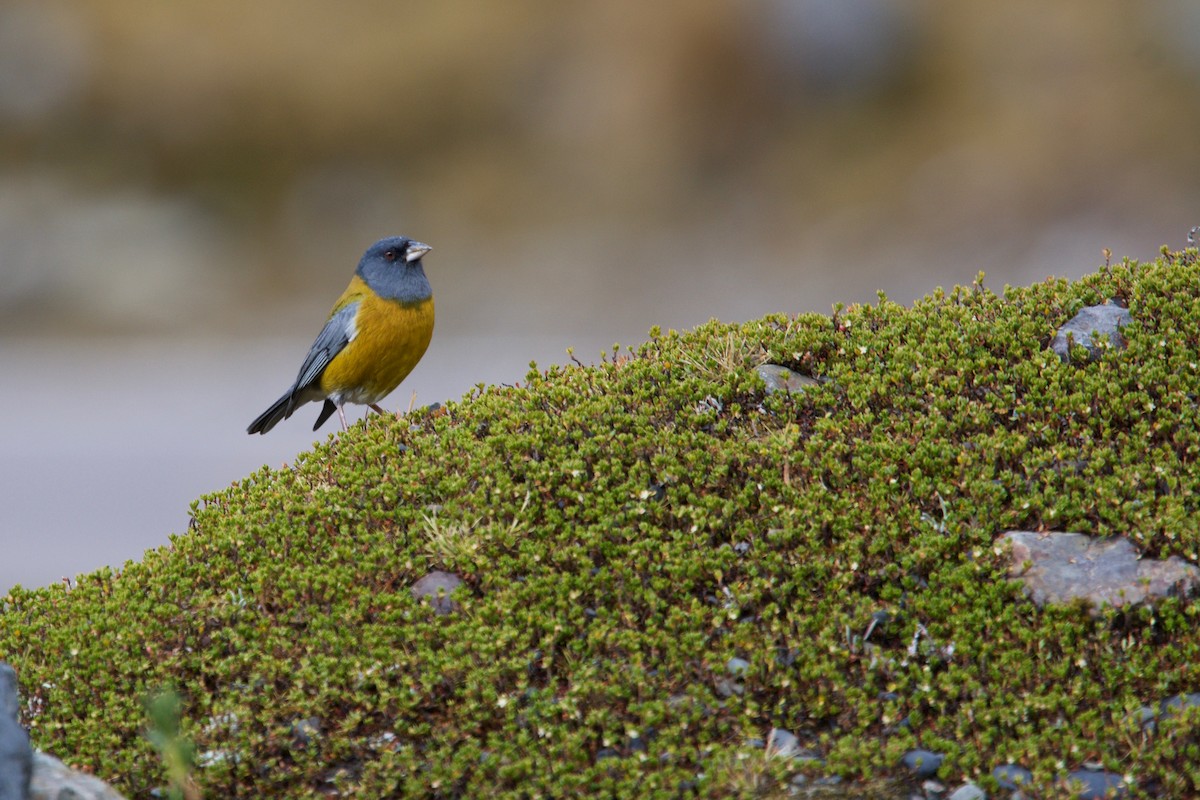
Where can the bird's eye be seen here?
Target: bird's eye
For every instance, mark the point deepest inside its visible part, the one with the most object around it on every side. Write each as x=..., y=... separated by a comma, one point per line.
x=390, y=255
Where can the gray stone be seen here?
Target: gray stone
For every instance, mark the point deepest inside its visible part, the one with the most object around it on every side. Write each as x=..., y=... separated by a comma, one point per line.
x=781, y=379
x=1061, y=567
x=1144, y=717
x=437, y=586
x=1097, y=785
x=968, y=791
x=10, y=697
x=53, y=780
x=933, y=788
x=731, y=683
x=738, y=667
x=1147, y=717
x=208, y=758
x=1012, y=776
x=1089, y=328
x=306, y=731
x=922, y=763
x=1177, y=704
x=16, y=757
x=782, y=744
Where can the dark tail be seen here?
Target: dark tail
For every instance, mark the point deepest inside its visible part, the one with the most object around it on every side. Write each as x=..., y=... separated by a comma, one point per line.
x=326, y=411
x=280, y=409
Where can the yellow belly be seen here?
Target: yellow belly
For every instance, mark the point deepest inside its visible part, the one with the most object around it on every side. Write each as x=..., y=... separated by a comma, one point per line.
x=390, y=340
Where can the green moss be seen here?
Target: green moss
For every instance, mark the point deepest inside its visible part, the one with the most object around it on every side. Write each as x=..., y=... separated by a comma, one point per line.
x=627, y=528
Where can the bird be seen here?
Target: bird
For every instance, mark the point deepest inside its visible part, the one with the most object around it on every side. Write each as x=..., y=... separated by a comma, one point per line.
x=376, y=333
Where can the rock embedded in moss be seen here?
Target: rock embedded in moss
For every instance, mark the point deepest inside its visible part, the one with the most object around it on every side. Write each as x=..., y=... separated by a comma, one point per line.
x=781, y=743
x=968, y=791
x=1149, y=716
x=1012, y=777
x=1061, y=567
x=1177, y=704
x=731, y=683
x=16, y=756
x=779, y=378
x=1089, y=329
x=1096, y=785
x=54, y=780
x=922, y=763
x=437, y=586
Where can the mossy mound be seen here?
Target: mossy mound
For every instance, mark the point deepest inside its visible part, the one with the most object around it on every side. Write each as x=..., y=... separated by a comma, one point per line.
x=626, y=529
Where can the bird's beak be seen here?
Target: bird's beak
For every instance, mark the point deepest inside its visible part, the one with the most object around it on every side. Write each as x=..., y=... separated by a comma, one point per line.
x=415, y=250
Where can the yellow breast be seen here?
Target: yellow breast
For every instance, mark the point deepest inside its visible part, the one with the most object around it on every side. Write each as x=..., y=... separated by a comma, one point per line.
x=389, y=340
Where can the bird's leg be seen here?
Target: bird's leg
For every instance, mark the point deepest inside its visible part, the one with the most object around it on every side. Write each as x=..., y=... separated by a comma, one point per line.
x=342, y=414
x=375, y=407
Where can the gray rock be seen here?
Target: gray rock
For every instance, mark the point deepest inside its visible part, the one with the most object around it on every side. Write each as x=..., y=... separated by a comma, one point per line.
x=638, y=744
x=1089, y=327
x=782, y=744
x=1097, y=785
x=781, y=379
x=208, y=758
x=1012, y=776
x=10, y=697
x=53, y=780
x=437, y=586
x=1177, y=704
x=16, y=757
x=306, y=731
x=1145, y=717
x=933, y=788
x=731, y=684
x=922, y=763
x=968, y=791
x=737, y=667
x=1061, y=567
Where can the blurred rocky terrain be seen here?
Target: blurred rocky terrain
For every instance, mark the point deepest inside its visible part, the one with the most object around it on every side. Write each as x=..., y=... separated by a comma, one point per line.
x=170, y=167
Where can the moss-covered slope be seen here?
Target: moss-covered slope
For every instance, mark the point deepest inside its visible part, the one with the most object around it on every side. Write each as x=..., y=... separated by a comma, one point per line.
x=624, y=530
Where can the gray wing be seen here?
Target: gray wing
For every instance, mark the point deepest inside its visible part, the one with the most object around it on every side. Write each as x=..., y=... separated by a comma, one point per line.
x=338, y=331
x=336, y=334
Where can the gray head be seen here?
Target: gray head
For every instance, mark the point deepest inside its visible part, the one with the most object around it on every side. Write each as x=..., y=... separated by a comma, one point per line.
x=392, y=268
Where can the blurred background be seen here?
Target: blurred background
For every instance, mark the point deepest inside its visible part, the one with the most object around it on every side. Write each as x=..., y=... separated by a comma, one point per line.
x=185, y=188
